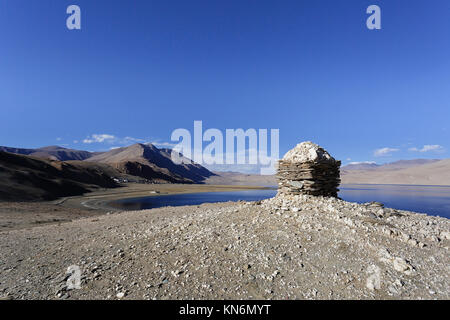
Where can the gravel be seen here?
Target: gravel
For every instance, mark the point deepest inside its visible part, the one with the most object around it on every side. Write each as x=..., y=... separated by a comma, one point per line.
x=288, y=247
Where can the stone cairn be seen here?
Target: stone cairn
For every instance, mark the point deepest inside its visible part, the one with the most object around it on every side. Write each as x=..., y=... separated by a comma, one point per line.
x=308, y=169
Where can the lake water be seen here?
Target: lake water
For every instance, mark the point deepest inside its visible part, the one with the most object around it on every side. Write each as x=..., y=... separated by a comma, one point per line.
x=433, y=200
x=184, y=199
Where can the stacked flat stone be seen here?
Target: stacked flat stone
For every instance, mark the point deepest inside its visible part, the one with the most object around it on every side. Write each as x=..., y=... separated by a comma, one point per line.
x=309, y=169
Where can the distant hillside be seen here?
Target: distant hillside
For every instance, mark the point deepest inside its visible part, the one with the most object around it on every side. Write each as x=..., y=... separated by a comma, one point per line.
x=139, y=160
x=149, y=162
x=418, y=171
x=404, y=164
x=51, y=152
x=401, y=164
x=421, y=172
x=29, y=178
x=237, y=178
x=360, y=166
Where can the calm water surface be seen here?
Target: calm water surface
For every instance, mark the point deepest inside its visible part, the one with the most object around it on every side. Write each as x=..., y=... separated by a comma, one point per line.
x=192, y=199
x=433, y=200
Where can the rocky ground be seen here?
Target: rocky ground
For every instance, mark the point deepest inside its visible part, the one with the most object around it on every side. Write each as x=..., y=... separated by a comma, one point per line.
x=23, y=215
x=288, y=247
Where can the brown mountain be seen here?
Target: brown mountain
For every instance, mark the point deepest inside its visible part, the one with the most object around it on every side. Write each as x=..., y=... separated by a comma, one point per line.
x=238, y=178
x=31, y=178
x=417, y=171
x=139, y=160
x=404, y=164
x=420, y=172
x=149, y=162
x=360, y=166
x=51, y=152
x=401, y=164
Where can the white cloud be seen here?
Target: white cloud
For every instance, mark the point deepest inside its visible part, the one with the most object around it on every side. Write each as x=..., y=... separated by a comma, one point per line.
x=383, y=152
x=427, y=148
x=163, y=144
x=433, y=147
x=363, y=162
x=130, y=139
x=110, y=139
x=121, y=141
x=58, y=139
x=99, y=138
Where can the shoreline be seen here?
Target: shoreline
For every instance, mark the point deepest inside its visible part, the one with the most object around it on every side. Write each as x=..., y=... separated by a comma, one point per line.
x=27, y=215
x=16, y=215
x=99, y=200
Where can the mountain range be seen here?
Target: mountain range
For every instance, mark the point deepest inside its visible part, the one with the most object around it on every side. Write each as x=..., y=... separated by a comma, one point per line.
x=418, y=172
x=25, y=177
x=51, y=172
x=52, y=153
x=401, y=164
x=150, y=162
x=141, y=160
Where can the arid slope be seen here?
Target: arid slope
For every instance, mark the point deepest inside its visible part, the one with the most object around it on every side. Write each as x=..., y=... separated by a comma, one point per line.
x=147, y=161
x=434, y=173
x=28, y=178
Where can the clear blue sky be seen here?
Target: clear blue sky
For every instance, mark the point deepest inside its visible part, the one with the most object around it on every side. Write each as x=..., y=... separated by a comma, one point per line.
x=312, y=69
